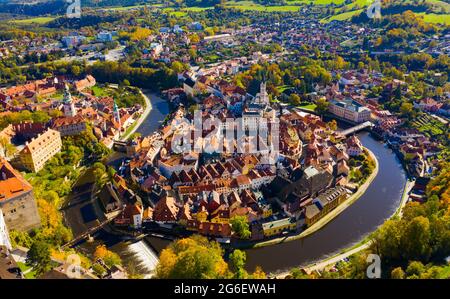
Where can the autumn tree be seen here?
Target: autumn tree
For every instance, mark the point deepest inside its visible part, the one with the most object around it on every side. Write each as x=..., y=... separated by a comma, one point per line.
x=294, y=99
x=109, y=258
x=406, y=108
x=6, y=147
x=398, y=273
x=194, y=257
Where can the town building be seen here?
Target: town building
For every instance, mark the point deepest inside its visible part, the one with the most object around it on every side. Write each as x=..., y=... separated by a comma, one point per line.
x=276, y=227
x=40, y=149
x=105, y=36
x=87, y=82
x=354, y=146
x=72, y=40
x=349, y=110
x=4, y=235
x=324, y=203
x=8, y=266
x=17, y=200
x=69, y=125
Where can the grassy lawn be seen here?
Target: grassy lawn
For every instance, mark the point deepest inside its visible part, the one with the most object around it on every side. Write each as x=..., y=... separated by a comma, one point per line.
x=309, y=106
x=99, y=91
x=23, y=267
x=283, y=88
x=39, y=20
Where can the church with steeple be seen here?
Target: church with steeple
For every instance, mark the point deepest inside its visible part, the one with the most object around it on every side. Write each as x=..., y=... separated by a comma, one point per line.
x=68, y=105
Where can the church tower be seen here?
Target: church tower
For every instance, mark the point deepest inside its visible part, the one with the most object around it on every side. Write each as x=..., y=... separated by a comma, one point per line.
x=69, y=106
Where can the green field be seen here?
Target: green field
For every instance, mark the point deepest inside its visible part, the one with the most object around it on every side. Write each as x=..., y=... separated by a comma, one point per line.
x=435, y=18
x=39, y=20
x=194, y=8
x=341, y=17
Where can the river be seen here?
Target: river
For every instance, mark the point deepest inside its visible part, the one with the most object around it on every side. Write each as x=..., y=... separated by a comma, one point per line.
x=160, y=109
x=377, y=204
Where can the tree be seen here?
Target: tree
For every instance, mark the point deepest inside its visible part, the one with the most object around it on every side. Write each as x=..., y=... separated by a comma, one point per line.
x=239, y=225
x=298, y=273
x=125, y=82
x=406, y=108
x=259, y=273
x=415, y=269
x=39, y=258
x=398, y=273
x=333, y=125
x=321, y=106
x=294, y=99
x=99, y=270
x=237, y=263
x=178, y=67
x=110, y=258
x=7, y=149
x=416, y=239
x=387, y=240
x=140, y=33
x=99, y=170
x=194, y=257
x=194, y=38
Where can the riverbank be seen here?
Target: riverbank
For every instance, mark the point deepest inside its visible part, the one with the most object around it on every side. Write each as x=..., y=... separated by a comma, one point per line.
x=135, y=126
x=332, y=214
x=360, y=246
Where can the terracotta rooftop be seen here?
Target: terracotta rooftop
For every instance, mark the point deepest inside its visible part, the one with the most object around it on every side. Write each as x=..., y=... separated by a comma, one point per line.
x=11, y=182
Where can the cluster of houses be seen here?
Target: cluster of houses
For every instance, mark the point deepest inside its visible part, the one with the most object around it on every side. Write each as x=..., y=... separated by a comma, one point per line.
x=38, y=142
x=203, y=191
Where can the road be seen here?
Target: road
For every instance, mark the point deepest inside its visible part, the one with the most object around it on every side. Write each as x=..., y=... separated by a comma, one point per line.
x=142, y=117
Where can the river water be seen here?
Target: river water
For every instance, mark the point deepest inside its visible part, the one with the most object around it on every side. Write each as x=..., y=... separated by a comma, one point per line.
x=377, y=204
x=160, y=109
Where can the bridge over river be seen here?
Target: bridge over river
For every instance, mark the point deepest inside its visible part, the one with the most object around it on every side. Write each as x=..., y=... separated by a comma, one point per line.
x=357, y=128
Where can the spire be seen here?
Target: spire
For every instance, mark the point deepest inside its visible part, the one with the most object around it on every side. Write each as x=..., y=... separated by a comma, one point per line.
x=67, y=95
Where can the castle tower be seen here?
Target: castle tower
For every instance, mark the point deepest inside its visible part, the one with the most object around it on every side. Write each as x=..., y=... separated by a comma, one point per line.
x=69, y=106
x=262, y=97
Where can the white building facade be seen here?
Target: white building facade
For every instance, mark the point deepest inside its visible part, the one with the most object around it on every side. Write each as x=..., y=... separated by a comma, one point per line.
x=4, y=235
